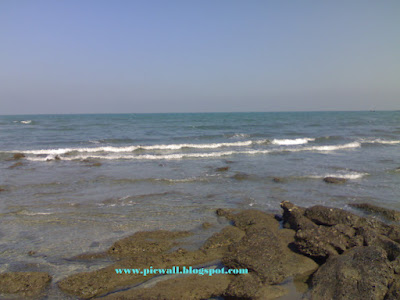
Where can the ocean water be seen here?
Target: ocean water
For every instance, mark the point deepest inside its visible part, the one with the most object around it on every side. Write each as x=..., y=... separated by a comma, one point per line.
x=87, y=180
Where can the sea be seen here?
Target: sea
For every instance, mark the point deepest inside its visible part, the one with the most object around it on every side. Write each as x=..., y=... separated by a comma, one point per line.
x=87, y=180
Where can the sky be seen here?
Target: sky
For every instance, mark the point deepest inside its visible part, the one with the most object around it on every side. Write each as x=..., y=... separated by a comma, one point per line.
x=120, y=56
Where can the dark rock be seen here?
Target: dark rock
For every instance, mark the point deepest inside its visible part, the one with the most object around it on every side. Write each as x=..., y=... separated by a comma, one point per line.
x=394, y=289
x=24, y=283
x=193, y=287
x=151, y=242
x=241, y=176
x=328, y=216
x=222, y=169
x=225, y=237
x=373, y=238
x=17, y=156
x=335, y=180
x=265, y=253
x=389, y=214
x=293, y=217
x=323, y=242
x=31, y=253
x=18, y=164
x=360, y=273
x=278, y=180
x=2, y=190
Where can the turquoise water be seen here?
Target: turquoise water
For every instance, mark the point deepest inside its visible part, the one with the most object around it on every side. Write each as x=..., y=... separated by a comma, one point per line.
x=87, y=180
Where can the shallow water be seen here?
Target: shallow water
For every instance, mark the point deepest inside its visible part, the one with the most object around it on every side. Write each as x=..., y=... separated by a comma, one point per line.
x=159, y=171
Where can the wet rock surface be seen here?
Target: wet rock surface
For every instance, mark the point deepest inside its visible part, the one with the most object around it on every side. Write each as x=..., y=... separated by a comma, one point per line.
x=361, y=273
x=335, y=180
x=389, y=214
x=24, y=284
x=334, y=253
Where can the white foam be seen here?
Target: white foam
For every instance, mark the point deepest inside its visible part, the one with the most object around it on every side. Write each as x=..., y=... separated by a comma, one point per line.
x=288, y=142
x=332, y=147
x=26, y=122
x=350, y=175
x=379, y=141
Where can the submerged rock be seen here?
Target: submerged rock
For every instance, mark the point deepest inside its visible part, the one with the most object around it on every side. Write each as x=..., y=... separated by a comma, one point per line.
x=222, y=169
x=17, y=156
x=24, y=284
x=193, y=287
x=335, y=180
x=361, y=273
x=389, y=214
x=241, y=176
x=150, y=242
x=18, y=164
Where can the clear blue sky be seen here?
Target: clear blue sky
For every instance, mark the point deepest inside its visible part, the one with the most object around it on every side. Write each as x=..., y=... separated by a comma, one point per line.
x=95, y=56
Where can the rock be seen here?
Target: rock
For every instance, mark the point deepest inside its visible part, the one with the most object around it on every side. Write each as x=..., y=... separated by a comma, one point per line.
x=328, y=216
x=389, y=214
x=250, y=287
x=25, y=284
x=31, y=253
x=394, y=289
x=373, y=238
x=17, y=156
x=278, y=180
x=293, y=217
x=225, y=237
x=335, y=180
x=151, y=242
x=323, y=242
x=227, y=213
x=18, y=164
x=193, y=287
x=265, y=253
x=360, y=273
x=252, y=217
x=2, y=190
x=241, y=176
x=222, y=169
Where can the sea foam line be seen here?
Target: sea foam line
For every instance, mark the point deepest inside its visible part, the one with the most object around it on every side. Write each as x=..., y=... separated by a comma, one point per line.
x=113, y=149
x=195, y=155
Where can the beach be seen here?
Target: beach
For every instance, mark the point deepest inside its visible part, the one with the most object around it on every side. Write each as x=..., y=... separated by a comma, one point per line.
x=77, y=184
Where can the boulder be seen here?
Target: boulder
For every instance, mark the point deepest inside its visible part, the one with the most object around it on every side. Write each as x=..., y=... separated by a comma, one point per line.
x=360, y=273
x=265, y=253
x=222, y=169
x=293, y=217
x=389, y=214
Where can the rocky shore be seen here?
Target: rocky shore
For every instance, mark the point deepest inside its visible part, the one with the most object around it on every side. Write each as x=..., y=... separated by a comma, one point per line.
x=328, y=253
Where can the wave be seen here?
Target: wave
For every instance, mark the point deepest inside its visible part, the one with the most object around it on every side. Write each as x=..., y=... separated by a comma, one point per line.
x=176, y=156
x=379, y=141
x=350, y=175
x=24, y=122
x=288, y=142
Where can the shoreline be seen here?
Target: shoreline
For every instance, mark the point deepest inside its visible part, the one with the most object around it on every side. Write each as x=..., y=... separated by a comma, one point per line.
x=288, y=256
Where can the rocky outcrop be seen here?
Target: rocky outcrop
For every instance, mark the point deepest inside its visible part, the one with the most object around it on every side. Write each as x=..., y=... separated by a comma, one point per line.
x=389, y=214
x=361, y=273
x=24, y=284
